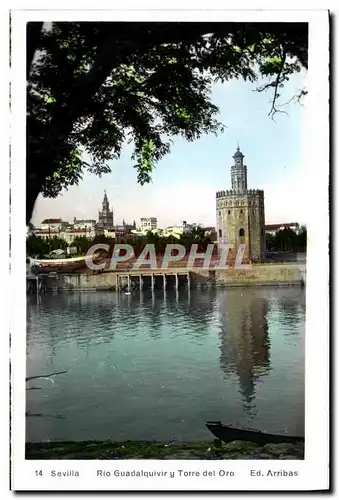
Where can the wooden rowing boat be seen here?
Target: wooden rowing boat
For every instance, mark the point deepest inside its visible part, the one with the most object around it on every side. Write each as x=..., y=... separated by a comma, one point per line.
x=60, y=265
x=228, y=433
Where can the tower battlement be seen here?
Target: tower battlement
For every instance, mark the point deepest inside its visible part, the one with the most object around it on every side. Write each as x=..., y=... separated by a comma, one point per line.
x=227, y=192
x=256, y=192
x=231, y=192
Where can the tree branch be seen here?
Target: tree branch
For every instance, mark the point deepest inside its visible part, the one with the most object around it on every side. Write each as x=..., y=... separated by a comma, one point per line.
x=45, y=376
x=275, y=85
x=296, y=98
x=116, y=44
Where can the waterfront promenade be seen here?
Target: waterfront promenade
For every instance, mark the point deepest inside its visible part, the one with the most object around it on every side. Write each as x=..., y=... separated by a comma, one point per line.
x=178, y=277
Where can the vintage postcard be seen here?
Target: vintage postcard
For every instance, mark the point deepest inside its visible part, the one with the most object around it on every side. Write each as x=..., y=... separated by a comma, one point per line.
x=166, y=237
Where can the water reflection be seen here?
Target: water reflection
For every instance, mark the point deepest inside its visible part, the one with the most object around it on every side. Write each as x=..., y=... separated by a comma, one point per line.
x=158, y=364
x=244, y=341
x=291, y=308
x=88, y=318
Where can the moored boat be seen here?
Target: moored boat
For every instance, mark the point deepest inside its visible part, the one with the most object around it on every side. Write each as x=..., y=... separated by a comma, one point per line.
x=228, y=433
x=48, y=265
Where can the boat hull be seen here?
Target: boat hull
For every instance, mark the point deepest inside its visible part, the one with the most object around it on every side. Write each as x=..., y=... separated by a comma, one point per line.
x=227, y=434
x=43, y=268
x=58, y=265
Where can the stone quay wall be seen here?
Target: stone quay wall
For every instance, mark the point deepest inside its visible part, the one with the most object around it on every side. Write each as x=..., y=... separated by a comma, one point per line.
x=257, y=275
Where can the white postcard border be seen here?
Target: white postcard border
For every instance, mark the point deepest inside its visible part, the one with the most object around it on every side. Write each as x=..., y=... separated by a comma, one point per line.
x=314, y=469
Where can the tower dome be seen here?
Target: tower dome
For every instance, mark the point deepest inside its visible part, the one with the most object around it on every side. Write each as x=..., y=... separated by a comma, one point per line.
x=238, y=153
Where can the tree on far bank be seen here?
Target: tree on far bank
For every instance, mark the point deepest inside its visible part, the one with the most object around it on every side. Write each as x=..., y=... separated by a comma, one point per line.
x=302, y=239
x=82, y=244
x=287, y=240
x=37, y=246
x=92, y=87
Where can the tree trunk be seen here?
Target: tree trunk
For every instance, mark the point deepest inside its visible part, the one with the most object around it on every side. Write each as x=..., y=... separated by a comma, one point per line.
x=35, y=177
x=32, y=192
x=33, y=32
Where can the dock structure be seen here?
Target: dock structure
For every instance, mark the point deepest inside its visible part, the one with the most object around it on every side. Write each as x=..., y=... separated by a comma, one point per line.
x=34, y=285
x=144, y=278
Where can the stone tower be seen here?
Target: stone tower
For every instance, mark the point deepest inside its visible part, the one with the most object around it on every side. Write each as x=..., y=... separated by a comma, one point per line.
x=106, y=215
x=241, y=213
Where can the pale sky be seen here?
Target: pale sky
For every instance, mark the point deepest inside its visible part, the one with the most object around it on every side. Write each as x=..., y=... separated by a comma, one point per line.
x=185, y=181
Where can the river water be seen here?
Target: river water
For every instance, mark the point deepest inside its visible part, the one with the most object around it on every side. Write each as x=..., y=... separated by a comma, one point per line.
x=159, y=365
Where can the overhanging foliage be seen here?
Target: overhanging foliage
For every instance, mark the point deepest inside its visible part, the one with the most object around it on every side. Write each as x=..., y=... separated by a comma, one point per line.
x=94, y=86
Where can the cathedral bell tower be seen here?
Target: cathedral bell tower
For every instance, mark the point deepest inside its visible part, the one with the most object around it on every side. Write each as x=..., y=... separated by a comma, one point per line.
x=106, y=216
x=105, y=203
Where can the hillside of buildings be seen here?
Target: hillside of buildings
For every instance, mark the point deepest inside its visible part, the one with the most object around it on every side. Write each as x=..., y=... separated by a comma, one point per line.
x=62, y=239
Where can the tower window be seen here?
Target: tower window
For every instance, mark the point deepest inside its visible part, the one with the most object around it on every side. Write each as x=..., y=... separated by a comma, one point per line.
x=219, y=212
x=220, y=233
x=242, y=232
x=241, y=211
x=229, y=212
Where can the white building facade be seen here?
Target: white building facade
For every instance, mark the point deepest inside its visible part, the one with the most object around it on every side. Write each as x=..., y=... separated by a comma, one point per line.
x=148, y=224
x=51, y=225
x=88, y=224
x=73, y=233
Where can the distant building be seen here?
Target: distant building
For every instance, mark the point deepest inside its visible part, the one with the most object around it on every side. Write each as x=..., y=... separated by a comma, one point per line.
x=189, y=227
x=120, y=230
x=44, y=234
x=148, y=223
x=175, y=230
x=51, y=225
x=66, y=225
x=84, y=224
x=274, y=228
x=127, y=226
x=179, y=229
x=106, y=220
x=70, y=234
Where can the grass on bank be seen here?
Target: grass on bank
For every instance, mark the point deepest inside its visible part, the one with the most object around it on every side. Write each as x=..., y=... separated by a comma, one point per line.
x=110, y=450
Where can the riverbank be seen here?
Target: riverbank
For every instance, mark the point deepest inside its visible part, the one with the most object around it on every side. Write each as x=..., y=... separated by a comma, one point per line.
x=258, y=275
x=131, y=450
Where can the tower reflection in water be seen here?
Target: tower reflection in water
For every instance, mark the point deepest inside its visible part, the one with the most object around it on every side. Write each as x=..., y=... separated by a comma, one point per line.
x=244, y=342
